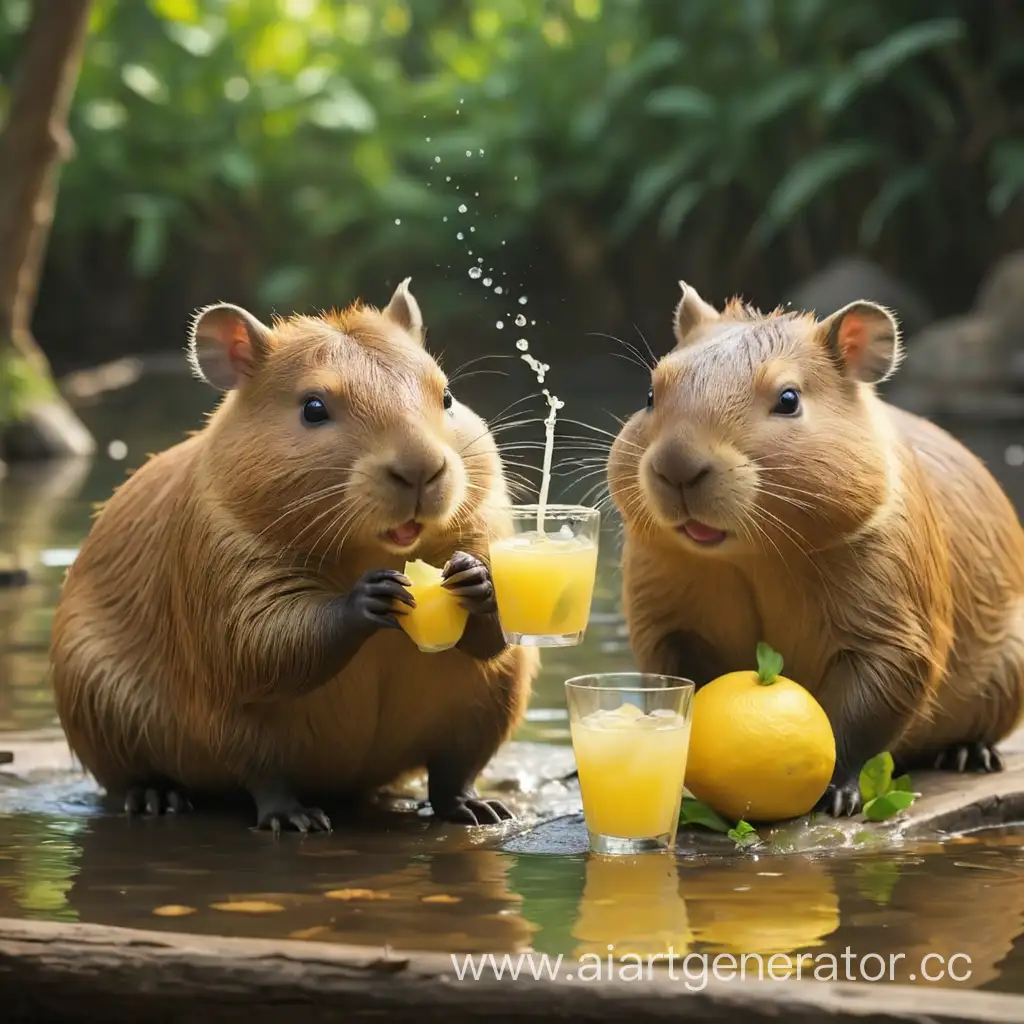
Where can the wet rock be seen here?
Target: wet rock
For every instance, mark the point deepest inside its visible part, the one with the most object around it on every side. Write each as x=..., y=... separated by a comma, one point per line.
x=48, y=430
x=565, y=836
x=971, y=364
x=847, y=280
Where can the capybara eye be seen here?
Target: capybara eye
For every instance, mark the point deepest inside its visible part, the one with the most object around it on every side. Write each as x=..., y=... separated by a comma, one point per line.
x=448, y=399
x=314, y=411
x=650, y=399
x=788, y=403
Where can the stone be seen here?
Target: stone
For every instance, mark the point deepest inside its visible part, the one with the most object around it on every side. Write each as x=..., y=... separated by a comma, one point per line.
x=1001, y=295
x=48, y=430
x=847, y=280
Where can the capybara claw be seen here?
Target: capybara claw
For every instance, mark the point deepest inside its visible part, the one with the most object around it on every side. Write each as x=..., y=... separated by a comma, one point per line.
x=970, y=757
x=155, y=799
x=295, y=818
x=840, y=799
x=476, y=811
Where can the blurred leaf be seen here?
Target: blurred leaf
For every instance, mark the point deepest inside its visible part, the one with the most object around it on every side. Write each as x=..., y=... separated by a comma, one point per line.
x=343, y=107
x=693, y=812
x=681, y=204
x=872, y=65
x=894, y=192
x=774, y=99
x=806, y=179
x=681, y=101
x=1007, y=168
x=649, y=186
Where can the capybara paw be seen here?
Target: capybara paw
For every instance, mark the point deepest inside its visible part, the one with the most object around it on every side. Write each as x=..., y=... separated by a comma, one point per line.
x=292, y=816
x=841, y=799
x=155, y=799
x=374, y=602
x=472, y=810
x=470, y=580
x=969, y=757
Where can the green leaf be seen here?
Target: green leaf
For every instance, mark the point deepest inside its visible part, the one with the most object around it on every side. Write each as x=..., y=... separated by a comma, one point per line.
x=764, y=105
x=649, y=186
x=896, y=191
x=1006, y=166
x=769, y=664
x=883, y=807
x=681, y=101
x=744, y=834
x=872, y=65
x=901, y=785
x=679, y=207
x=876, y=777
x=693, y=812
x=808, y=178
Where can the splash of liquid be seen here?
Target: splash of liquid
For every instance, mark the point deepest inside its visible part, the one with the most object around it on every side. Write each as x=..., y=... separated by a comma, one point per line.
x=554, y=404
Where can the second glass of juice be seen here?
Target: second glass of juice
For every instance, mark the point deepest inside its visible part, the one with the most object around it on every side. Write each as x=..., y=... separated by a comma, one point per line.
x=630, y=735
x=544, y=574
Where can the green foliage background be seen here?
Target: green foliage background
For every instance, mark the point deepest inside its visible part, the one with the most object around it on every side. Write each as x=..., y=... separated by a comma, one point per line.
x=294, y=153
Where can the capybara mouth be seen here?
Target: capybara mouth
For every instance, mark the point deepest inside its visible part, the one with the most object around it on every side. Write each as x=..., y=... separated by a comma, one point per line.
x=404, y=536
x=702, y=534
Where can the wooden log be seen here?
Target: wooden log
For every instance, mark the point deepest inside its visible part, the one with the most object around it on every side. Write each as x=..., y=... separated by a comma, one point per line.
x=58, y=972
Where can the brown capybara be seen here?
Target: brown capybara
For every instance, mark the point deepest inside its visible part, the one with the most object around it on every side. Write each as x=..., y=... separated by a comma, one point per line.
x=770, y=495
x=232, y=619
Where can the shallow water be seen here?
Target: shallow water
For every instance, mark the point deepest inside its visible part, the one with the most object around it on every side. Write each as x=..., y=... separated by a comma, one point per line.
x=391, y=879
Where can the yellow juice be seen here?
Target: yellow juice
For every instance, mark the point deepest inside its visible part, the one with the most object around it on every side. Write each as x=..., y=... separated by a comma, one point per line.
x=438, y=620
x=543, y=584
x=631, y=769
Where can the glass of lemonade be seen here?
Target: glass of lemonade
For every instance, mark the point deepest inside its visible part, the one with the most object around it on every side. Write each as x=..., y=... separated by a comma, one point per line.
x=630, y=735
x=544, y=577
x=438, y=620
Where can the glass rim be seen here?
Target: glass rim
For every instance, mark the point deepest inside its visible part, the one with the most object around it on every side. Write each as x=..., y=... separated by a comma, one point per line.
x=677, y=682
x=555, y=510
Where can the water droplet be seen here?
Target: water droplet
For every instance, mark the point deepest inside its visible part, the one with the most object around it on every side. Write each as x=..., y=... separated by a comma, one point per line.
x=1014, y=455
x=117, y=450
x=469, y=252
x=469, y=152
x=487, y=282
x=503, y=241
x=460, y=236
x=499, y=324
x=523, y=345
x=472, y=229
x=398, y=220
x=515, y=178
x=428, y=138
x=477, y=194
x=463, y=207
x=498, y=290
x=447, y=177
x=445, y=218
x=522, y=300
x=475, y=272
x=520, y=320
x=533, y=323
x=461, y=101
x=437, y=159
x=481, y=152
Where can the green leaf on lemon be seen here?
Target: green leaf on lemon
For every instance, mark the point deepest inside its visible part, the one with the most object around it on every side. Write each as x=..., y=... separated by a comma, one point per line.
x=693, y=812
x=769, y=664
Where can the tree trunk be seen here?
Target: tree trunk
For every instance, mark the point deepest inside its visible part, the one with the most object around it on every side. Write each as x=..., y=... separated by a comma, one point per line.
x=33, y=145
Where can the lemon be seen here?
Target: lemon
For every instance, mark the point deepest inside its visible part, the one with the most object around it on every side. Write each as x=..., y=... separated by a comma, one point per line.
x=761, y=747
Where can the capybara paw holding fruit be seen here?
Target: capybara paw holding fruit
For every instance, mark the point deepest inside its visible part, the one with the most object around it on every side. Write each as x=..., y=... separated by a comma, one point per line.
x=470, y=580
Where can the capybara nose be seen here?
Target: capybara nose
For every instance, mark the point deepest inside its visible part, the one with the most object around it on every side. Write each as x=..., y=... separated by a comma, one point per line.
x=682, y=470
x=417, y=473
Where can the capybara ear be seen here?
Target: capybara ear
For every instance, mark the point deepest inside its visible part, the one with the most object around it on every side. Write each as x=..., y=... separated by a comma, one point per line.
x=864, y=339
x=226, y=344
x=404, y=311
x=691, y=312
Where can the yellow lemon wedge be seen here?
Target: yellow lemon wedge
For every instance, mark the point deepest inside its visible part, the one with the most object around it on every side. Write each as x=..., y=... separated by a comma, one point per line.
x=438, y=620
x=761, y=747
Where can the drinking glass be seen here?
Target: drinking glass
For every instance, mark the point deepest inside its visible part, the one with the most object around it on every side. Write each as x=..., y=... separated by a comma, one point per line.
x=544, y=577
x=630, y=734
